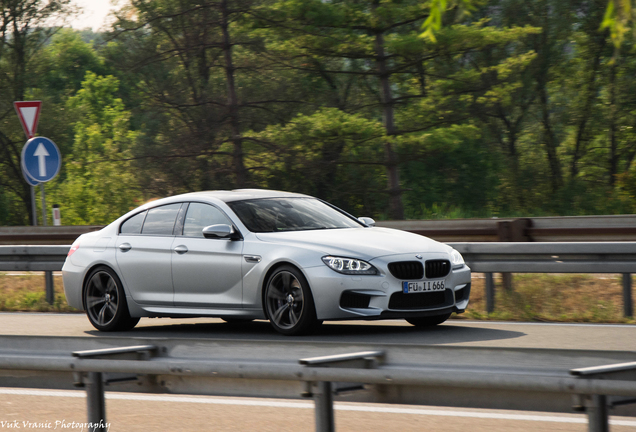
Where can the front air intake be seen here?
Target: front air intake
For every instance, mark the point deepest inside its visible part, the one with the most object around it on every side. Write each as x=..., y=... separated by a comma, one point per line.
x=354, y=300
x=422, y=301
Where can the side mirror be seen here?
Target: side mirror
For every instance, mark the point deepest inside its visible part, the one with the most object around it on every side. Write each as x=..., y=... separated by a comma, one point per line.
x=367, y=221
x=220, y=231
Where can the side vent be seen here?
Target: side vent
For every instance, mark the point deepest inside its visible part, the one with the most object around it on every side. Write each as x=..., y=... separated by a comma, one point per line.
x=353, y=300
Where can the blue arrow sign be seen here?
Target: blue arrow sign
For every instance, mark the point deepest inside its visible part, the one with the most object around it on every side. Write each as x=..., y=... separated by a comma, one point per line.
x=41, y=159
x=28, y=179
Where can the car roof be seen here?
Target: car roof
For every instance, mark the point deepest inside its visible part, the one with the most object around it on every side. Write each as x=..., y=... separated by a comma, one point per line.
x=241, y=194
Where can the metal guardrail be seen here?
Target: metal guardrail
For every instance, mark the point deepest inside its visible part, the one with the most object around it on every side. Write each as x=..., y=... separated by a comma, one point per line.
x=35, y=258
x=573, y=257
x=378, y=375
x=539, y=229
x=43, y=235
x=32, y=258
x=484, y=257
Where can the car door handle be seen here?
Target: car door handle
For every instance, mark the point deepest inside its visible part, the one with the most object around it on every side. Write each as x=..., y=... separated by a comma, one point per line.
x=125, y=247
x=181, y=249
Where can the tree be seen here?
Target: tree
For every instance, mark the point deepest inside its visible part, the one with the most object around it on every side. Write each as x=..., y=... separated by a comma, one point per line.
x=100, y=182
x=379, y=43
x=22, y=35
x=195, y=69
x=308, y=158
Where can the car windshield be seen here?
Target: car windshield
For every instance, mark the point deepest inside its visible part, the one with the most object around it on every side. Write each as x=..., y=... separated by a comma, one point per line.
x=289, y=214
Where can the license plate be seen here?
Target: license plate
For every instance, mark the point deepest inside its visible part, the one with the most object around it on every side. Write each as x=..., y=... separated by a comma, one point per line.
x=426, y=286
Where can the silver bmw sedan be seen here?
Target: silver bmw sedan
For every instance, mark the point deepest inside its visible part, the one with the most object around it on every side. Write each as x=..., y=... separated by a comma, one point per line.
x=257, y=254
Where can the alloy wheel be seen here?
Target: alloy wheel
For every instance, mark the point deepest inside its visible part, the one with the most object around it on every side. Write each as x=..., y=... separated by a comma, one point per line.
x=102, y=299
x=285, y=300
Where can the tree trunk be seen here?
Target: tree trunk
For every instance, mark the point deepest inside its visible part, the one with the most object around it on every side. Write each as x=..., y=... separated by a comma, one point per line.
x=551, y=143
x=613, y=162
x=237, y=139
x=587, y=109
x=396, y=208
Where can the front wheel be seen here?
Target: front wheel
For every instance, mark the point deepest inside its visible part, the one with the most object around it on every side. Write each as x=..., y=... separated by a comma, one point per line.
x=289, y=304
x=428, y=321
x=105, y=301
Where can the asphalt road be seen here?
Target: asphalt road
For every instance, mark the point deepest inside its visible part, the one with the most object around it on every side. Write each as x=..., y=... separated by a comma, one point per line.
x=46, y=411
x=137, y=412
x=454, y=332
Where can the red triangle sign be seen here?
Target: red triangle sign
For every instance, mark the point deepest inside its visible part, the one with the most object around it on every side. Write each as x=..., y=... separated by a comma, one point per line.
x=29, y=114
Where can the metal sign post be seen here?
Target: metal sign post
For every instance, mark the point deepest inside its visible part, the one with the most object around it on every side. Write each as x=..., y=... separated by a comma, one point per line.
x=29, y=115
x=43, y=204
x=34, y=214
x=41, y=161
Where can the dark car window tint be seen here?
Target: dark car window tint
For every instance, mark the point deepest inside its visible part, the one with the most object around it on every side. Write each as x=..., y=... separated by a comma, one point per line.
x=160, y=220
x=289, y=214
x=200, y=216
x=133, y=224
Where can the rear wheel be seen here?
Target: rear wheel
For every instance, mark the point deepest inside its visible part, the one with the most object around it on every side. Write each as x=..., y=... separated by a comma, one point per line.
x=428, y=321
x=289, y=304
x=105, y=301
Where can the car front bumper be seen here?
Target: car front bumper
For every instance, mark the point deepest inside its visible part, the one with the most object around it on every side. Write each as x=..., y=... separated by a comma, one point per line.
x=341, y=297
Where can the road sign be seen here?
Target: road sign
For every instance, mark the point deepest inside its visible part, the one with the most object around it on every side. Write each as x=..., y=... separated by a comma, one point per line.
x=29, y=114
x=28, y=179
x=41, y=159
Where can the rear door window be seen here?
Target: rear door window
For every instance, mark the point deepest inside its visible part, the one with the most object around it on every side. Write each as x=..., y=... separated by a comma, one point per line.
x=133, y=225
x=160, y=220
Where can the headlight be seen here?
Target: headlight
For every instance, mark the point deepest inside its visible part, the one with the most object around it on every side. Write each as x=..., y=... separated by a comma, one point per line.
x=349, y=266
x=456, y=258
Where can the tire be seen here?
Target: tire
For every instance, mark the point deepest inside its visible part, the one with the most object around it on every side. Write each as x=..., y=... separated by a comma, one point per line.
x=289, y=305
x=105, y=301
x=429, y=321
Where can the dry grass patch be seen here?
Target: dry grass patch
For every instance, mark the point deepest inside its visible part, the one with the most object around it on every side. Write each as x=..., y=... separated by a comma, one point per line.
x=26, y=293
x=536, y=297
x=552, y=297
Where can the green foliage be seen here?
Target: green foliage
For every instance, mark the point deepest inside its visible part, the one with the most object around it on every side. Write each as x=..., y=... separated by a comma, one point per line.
x=618, y=17
x=100, y=182
x=452, y=175
x=433, y=23
x=502, y=107
x=330, y=154
x=65, y=61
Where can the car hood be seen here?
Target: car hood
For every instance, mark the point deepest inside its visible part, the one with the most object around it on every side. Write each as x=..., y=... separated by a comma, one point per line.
x=364, y=243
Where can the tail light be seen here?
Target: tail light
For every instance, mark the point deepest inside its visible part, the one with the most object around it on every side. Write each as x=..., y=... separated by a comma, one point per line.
x=75, y=246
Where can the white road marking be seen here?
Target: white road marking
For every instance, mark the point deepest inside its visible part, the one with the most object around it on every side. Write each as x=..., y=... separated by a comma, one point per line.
x=578, y=419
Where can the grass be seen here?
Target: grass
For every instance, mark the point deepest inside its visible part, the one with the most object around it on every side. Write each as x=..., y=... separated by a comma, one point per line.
x=25, y=293
x=535, y=297
x=551, y=298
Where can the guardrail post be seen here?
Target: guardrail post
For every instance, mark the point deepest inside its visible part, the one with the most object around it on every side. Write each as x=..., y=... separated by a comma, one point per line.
x=627, y=295
x=597, y=415
x=596, y=405
x=490, y=293
x=49, y=286
x=95, y=402
x=323, y=399
x=513, y=231
x=94, y=381
x=323, y=396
